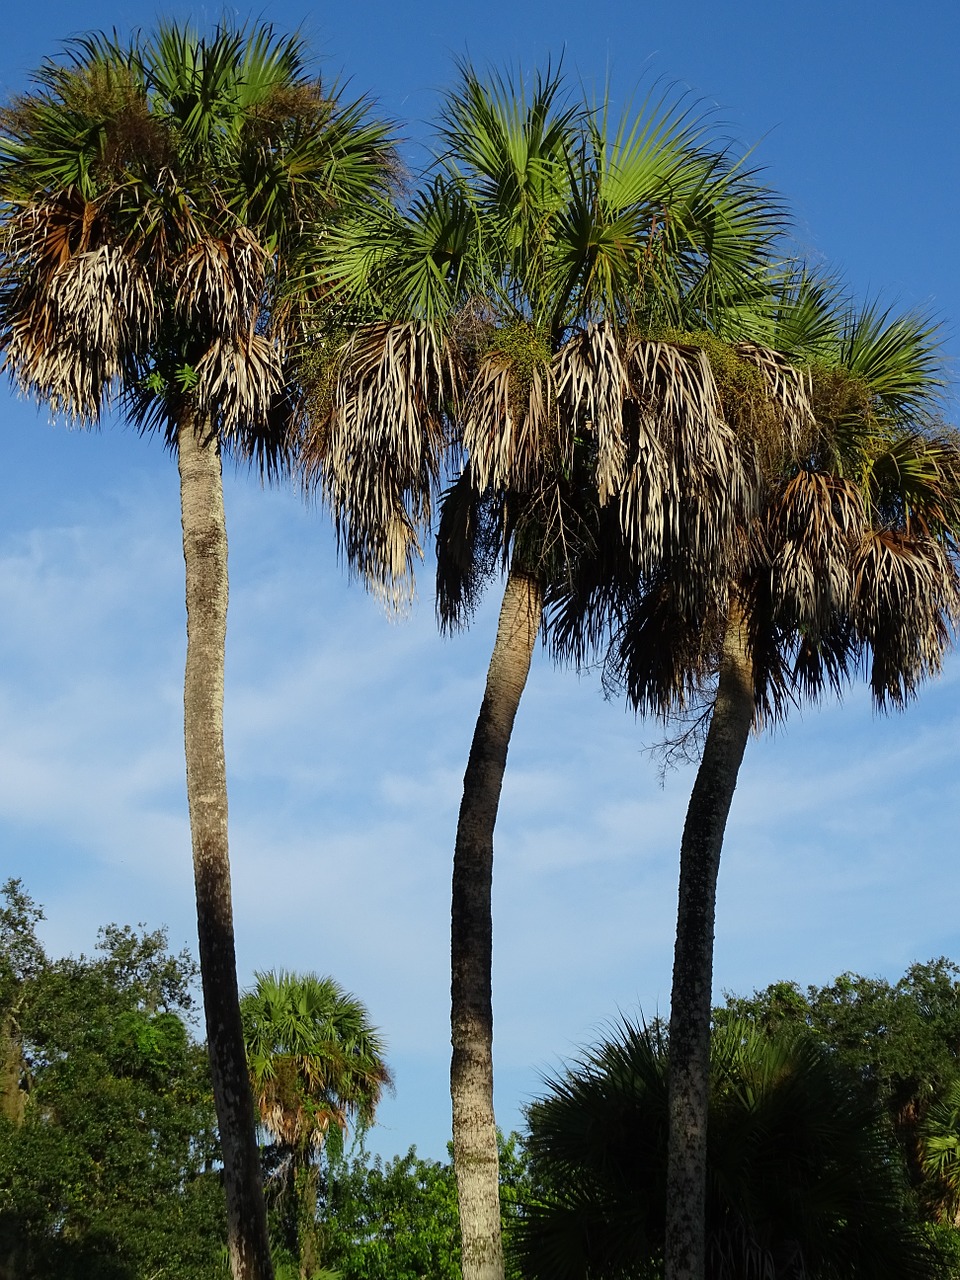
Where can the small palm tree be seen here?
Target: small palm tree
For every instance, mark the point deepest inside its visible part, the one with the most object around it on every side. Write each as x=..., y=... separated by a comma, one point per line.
x=516, y=298
x=848, y=562
x=804, y=1177
x=160, y=202
x=316, y=1063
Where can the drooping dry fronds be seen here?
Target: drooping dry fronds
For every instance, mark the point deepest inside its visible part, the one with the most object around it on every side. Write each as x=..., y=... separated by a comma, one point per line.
x=238, y=378
x=810, y=528
x=374, y=448
x=218, y=281
x=508, y=420
x=906, y=599
x=704, y=488
x=787, y=388
x=592, y=384
x=78, y=321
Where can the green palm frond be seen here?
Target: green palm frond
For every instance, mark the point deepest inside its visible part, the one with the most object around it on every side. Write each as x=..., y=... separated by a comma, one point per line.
x=897, y=356
x=940, y=1154
x=510, y=144
x=422, y=263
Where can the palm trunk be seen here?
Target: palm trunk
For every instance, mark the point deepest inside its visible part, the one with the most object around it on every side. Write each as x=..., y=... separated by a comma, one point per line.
x=690, y=1001
x=205, y=558
x=471, y=1071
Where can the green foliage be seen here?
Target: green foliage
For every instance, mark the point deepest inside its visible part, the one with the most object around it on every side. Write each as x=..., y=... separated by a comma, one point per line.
x=802, y=1176
x=398, y=1220
x=316, y=1063
x=109, y=1168
x=390, y=1221
x=902, y=1038
x=902, y=1042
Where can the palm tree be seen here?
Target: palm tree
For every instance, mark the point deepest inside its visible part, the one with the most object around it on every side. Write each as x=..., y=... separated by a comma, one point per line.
x=316, y=1062
x=848, y=563
x=516, y=298
x=804, y=1177
x=160, y=200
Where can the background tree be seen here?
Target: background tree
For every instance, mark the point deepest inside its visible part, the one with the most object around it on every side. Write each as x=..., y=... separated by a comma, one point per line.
x=159, y=201
x=109, y=1167
x=521, y=287
x=398, y=1220
x=901, y=1040
x=316, y=1063
x=803, y=1179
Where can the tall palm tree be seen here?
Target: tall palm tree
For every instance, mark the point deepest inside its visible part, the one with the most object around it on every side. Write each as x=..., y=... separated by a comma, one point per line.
x=517, y=296
x=848, y=563
x=316, y=1063
x=804, y=1177
x=160, y=200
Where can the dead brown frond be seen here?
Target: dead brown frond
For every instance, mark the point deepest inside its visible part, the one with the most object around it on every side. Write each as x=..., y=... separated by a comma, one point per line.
x=702, y=488
x=660, y=657
x=509, y=415
x=238, y=378
x=78, y=318
x=219, y=282
x=906, y=601
x=810, y=527
x=786, y=386
x=592, y=384
x=374, y=446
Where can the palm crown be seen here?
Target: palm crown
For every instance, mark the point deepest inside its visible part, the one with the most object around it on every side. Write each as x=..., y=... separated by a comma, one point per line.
x=523, y=285
x=163, y=199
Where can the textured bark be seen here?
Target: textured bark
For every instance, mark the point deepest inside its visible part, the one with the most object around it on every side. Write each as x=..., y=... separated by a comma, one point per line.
x=471, y=1072
x=690, y=1002
x=205, y=559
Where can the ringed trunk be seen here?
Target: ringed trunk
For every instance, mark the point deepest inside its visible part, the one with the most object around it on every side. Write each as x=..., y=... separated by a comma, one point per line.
x=690, y=1001
x=205, y=559
x=471, y=1071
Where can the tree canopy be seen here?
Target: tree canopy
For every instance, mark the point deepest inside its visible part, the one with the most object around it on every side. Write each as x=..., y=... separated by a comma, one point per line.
x=108, y=1157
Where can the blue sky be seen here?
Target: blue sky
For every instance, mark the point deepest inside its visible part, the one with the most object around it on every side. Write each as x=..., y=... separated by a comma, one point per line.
x=347, y=734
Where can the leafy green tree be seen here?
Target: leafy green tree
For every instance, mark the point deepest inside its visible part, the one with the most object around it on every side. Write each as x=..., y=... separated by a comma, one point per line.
x=398, y=1220
x=316, y=1063
x=902, y=1042
x=393, y=1220
x=514, y=306
x=108, y=1167
x=162, y=202
x=803, y=1177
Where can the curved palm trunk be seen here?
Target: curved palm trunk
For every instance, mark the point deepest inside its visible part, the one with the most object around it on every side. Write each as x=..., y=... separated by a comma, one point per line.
x=471, y=1016
x=690, y=1001
x=205, y=559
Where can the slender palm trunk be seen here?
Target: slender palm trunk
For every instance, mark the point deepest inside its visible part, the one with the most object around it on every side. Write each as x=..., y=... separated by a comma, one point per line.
x=471, y=1070
x=690, y=1002
x=205, y=558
